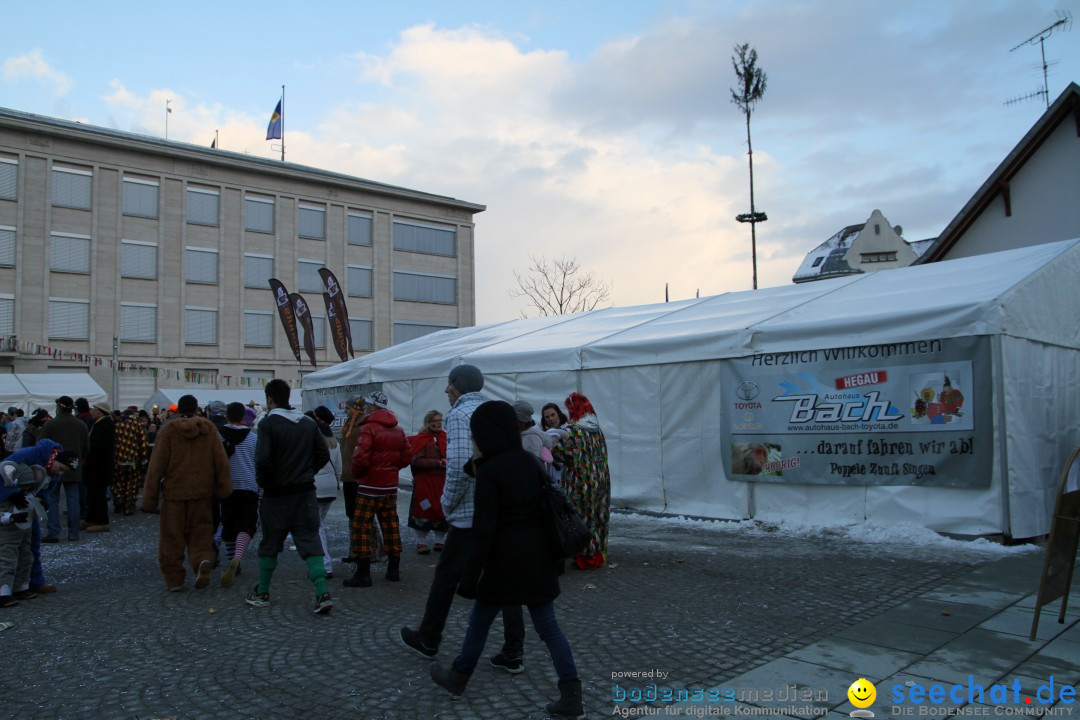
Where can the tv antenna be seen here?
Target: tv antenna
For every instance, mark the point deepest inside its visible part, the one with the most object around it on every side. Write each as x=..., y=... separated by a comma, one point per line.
x=1064, y=22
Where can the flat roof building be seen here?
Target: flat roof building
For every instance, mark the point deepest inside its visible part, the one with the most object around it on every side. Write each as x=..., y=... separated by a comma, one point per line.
x=168, y=247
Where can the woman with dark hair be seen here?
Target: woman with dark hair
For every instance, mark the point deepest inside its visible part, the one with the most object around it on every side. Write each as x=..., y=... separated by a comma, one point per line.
x=429, y=476
x=552, y=417
x=584, y=460
x=512, y=561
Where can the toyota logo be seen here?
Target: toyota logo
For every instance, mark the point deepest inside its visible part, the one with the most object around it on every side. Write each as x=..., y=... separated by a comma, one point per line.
x=748, y=390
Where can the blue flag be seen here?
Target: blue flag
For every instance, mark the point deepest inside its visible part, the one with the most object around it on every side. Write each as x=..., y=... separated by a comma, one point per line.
x=273, y=130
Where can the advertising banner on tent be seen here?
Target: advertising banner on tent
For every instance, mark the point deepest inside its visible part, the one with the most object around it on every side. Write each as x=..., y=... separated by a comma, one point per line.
x=334, y=398
x=285, y=313
x=303, y=317
x=338, y=314
x=914, y=413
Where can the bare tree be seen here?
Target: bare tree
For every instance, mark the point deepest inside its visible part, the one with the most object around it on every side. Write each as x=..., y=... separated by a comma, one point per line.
x=751, y=88
x=560, y=286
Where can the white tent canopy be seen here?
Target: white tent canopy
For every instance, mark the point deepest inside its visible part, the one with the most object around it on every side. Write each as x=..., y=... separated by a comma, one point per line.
x=654, y=373
x=165, y=397
x=40, y=390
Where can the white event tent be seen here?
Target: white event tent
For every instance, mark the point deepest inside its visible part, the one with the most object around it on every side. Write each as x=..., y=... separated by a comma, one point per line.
x=40, y=390
x=654, y=374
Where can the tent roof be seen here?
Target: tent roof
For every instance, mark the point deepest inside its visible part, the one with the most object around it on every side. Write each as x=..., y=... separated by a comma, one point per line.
x=1024, y=293
x=42, y=389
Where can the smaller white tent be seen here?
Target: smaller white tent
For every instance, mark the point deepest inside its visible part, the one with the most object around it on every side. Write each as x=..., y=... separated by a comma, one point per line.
x=40, y=390
x=165, y=397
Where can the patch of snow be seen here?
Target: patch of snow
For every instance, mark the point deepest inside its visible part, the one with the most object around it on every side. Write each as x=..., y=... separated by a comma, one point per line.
x=899, y=534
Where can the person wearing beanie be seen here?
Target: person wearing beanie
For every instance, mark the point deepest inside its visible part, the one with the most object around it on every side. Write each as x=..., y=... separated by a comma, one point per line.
x=98, y=468
x=381, y=451
x=463, y=390
x=190, y=461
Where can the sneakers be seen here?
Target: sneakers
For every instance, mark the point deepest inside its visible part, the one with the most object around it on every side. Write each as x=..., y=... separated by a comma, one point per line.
x=230, y=573
x=411, y=639
x=257, y=599
x=422, y=549
x=202, y=579
x=511, y=665
x=323, y=604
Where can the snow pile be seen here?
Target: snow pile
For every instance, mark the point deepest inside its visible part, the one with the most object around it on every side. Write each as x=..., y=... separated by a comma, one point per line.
x=899, y=534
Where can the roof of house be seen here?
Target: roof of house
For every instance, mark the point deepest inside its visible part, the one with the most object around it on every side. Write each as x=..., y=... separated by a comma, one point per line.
x=109, y=136
x=1068, y=103
x=827, y=259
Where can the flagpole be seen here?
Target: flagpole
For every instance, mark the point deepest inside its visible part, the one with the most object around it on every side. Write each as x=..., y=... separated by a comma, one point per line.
x=282, y=123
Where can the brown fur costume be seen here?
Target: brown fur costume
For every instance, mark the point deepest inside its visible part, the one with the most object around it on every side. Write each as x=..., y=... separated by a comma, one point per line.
x=187, y=468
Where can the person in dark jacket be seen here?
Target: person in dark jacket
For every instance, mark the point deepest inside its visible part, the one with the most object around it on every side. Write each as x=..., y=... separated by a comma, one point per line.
x=288, y=452
x=73, y=435
x=382, y=449
x=512, y=560
x=98, y=468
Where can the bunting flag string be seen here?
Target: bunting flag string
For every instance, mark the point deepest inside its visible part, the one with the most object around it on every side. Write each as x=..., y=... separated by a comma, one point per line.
x=10, y=344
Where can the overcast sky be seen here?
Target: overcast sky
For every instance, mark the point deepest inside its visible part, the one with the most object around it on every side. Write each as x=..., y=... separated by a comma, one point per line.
x=601, y=131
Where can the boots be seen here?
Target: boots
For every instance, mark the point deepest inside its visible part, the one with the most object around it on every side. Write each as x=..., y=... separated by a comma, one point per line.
x=362, y=576
x=452, y=681
x=569, y=702
x=393, y=564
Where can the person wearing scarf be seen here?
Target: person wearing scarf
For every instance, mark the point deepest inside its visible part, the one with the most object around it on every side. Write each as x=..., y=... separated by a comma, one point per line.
x=585, y=476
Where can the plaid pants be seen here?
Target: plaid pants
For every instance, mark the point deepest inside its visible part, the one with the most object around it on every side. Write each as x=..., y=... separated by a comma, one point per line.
x=125, y=488
x=384, y=508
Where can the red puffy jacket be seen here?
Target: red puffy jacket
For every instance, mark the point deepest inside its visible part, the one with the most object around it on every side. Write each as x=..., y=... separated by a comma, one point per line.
x=381, y=450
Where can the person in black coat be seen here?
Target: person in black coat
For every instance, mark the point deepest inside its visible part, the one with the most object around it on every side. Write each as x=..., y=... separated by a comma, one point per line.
x=98, y=468
x=512, y=561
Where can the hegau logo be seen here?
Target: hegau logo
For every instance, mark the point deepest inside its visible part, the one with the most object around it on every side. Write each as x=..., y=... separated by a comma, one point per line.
x=748, y=390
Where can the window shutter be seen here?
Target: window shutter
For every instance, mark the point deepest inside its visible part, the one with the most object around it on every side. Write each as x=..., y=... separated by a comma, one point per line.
x=70, y=320
x=202, y=207
x=140, y=199
x=308, y=278
x=71, y=189
x=258, y=271
x=69, y=254
x=202, y=266
x=9, y=180
x=425, y=288
x=138, y=323
x=312, y=222
x=361, y=334
x=7, y=246
x=424, y=239
x=359, y=229
x=259, y=215
x=258, y=329
x=359, y=281
x=138, y=260
x=7, y=316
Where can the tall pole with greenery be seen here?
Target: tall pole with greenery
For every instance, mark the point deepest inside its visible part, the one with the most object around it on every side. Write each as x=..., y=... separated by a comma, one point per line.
x=751, y=88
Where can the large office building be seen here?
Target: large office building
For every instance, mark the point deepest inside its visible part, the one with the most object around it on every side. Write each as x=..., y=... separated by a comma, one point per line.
x=168, y=247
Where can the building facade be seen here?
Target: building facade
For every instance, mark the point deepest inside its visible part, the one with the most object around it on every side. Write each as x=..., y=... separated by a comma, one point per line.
x=168, y=248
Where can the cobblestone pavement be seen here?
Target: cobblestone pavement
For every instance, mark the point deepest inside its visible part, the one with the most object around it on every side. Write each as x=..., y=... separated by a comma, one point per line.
x=704, y=602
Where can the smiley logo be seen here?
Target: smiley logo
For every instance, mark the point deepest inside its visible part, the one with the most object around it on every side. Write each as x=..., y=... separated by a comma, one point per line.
x=862, y=693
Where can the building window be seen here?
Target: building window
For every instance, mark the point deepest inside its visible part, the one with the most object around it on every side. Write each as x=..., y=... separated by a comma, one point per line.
x=307, y=276
x=138, y=322
x=258, y=214
x=7, y=314
x=69, y=253
x=69, y=319
x=258, y=269
x=360, y=330
x=878, y=257
x=140, y=197
x=404, y=331
x=9, y=178
x=413, y=237
x=7, y=245
x=200, y=326
x=318, y=325
x=71, y=187
x=359, y=281
x=312, y=222
x=359, y=229
x=202, y=206
x=202, y=265
x=138, y=259
x=258, y=328
x=254, y=374
x=877, y=228
x=817, y=261
x=418, y=287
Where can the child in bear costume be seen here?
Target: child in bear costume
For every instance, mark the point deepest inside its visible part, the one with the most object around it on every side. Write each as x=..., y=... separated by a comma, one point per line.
x=19, y=485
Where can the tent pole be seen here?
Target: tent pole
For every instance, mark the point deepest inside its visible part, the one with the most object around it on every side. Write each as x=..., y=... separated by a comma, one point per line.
x=997, y=372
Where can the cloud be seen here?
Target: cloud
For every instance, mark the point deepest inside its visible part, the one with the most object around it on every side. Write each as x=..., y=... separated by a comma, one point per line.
x=31, y=66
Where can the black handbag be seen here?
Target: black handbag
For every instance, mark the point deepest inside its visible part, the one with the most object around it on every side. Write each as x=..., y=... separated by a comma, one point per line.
x=567, y=530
